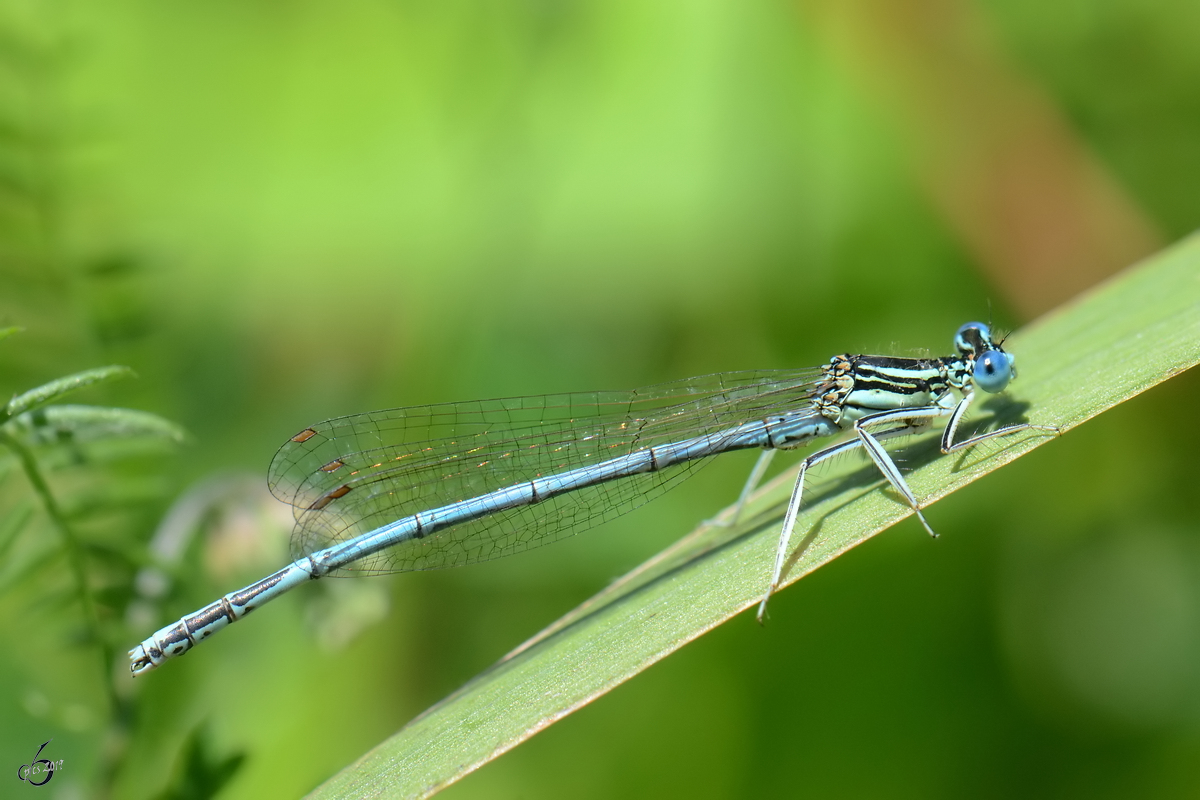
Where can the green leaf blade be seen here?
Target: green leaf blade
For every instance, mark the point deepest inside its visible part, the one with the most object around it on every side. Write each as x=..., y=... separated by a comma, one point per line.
x=60, y=387
x=85, y=424
x=1114, y=342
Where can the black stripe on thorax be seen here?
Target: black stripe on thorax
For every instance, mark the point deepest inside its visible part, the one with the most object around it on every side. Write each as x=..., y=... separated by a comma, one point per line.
x=895, y=363
x=901, y=376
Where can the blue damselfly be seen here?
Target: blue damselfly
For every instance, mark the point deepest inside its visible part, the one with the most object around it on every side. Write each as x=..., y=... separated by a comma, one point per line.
x=443, y=485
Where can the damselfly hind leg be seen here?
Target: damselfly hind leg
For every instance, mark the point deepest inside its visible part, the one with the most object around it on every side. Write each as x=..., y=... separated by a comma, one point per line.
x=797, y=499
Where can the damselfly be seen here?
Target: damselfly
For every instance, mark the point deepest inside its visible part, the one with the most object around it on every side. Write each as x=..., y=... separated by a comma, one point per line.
x=443, y=485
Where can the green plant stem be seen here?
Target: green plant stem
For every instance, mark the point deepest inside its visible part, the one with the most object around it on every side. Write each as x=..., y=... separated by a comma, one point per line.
x=75, y=557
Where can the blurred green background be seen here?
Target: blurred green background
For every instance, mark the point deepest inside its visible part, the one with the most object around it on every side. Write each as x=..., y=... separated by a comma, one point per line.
x=282, y=212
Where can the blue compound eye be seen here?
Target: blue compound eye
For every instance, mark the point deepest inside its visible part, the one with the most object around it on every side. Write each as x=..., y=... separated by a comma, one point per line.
x=993, y=371
x=973, y=337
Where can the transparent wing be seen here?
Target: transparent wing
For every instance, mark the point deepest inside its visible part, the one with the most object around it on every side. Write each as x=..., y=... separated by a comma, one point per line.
x=350, y=475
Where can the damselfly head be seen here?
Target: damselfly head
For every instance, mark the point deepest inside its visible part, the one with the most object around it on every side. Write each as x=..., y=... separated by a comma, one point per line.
x=993, y=368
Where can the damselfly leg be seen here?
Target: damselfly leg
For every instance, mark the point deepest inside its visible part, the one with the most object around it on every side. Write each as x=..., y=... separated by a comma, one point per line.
x=913, y=421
